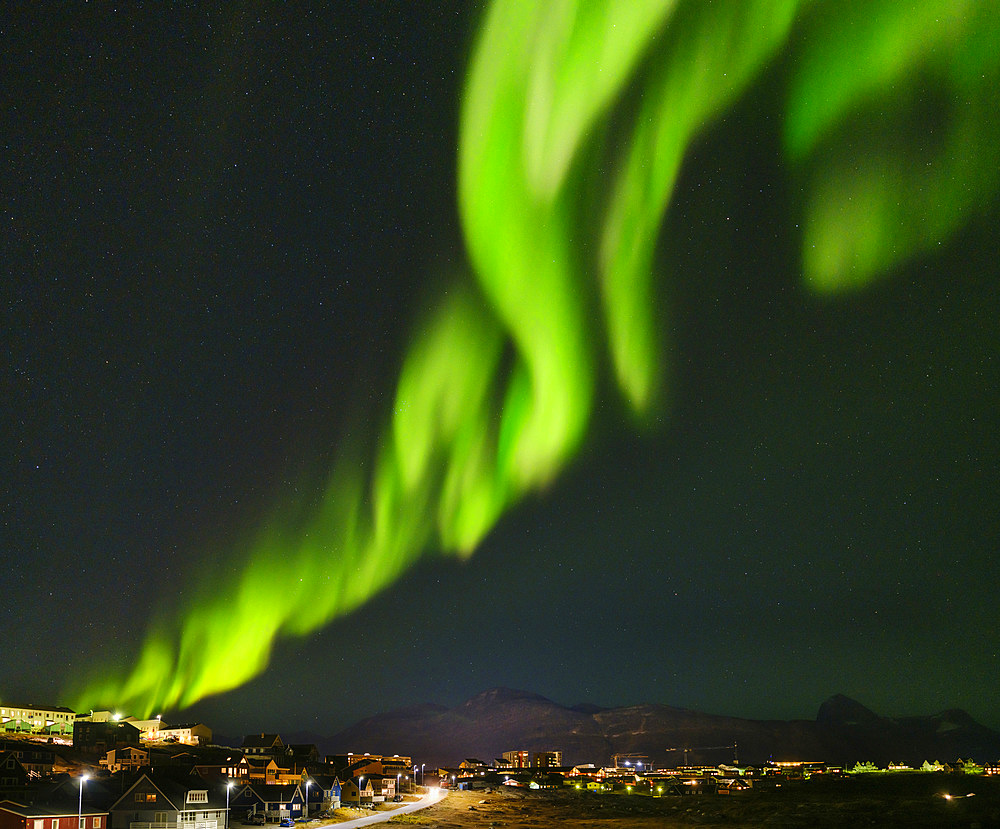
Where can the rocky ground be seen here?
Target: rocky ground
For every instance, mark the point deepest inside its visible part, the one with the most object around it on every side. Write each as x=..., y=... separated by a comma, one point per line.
x=898, y=801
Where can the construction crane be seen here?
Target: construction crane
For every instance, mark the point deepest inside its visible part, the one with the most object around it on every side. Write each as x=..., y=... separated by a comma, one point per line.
x=734, y=746
x=635, y=758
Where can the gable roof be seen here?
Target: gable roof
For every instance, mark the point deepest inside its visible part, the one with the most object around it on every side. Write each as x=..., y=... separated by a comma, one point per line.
x=273, y=792
x=174, y=788
x=262, y=741
x=42, y=811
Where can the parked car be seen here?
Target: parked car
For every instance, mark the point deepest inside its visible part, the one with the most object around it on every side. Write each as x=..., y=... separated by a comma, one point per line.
x=286, y=823
x=254, y=819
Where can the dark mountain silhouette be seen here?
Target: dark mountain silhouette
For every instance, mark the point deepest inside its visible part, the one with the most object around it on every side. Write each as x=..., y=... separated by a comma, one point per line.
x=499, y=720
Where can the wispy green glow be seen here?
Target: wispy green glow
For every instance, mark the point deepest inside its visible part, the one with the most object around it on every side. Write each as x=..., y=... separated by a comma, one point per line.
x=497, y=390
x=707, y=58
x=893, y=116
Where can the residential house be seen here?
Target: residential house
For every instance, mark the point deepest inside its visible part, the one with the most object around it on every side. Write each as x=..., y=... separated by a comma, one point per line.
x=13, y=774
x=149, y=729
x=263, y=745
x=304, y=753
x=357, y=791
x=262, y=770
x=174, y=799
x=37, y=758
x=129, y=758
x=15, y=816
x=190, y=734
x=98, y=738
x=353, y=765
x=272, y=801
x=383, y=787
x=328, y=788
x=234, y=768
x=34, y=719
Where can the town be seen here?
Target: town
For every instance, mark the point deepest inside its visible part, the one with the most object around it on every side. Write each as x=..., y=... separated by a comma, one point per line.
x=109, y=771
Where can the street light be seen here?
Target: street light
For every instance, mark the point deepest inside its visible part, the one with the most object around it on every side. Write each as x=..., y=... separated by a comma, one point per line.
x=229, y=787
x=307, y=797
x=399, y=776
x=79, y=811
x=361, y=777
x=421, y=774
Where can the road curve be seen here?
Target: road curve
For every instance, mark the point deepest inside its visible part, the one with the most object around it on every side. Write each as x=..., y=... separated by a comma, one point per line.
x=429, y=799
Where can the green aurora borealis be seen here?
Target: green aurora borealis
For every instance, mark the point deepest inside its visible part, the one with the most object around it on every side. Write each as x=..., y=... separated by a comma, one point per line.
x=574, y=124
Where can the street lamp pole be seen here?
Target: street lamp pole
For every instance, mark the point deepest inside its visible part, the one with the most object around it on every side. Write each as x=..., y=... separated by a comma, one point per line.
x=361, y=778
x=79, y=811
x=229, y=787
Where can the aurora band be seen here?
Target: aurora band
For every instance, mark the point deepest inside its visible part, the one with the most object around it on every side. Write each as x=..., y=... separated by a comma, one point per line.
x=497, y=390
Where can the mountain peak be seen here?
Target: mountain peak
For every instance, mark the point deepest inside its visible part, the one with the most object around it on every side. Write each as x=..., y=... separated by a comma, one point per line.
x=842, y=710
x=500, y=696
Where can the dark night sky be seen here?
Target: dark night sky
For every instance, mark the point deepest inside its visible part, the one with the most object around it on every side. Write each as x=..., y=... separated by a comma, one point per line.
x=219, y=226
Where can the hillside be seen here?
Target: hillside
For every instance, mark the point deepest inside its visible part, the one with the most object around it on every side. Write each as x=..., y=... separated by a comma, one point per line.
x=500, y=719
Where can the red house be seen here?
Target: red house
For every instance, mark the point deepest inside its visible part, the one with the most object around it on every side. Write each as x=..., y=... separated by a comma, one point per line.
x=15, y=816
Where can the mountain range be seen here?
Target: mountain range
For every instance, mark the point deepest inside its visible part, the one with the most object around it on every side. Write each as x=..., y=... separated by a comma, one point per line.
x=499, y=720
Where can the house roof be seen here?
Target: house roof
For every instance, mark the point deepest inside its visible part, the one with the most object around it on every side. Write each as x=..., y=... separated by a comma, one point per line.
x=174, y=788
x=259, y=762
x=42, y=811
x=273, y=792
x=324, y=780
x=262, y=741
x=57, y=708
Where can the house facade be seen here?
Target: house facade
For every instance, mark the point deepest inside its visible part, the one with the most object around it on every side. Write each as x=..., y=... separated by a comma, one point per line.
x=94, y=737
x=38, y=759
x=129, y=758
x=357, y=791
x=190, y=734
x=36, y=719
x=262, y=770
x=13, y=774
x=263, y=744
x=273, y=801
x=15, y=816
x=327, y=787
x=168, y=802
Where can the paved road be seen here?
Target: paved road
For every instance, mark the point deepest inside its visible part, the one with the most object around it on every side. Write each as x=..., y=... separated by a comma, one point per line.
x=429, y=799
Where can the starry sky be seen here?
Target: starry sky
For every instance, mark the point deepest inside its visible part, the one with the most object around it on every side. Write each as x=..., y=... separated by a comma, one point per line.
x=220, y=227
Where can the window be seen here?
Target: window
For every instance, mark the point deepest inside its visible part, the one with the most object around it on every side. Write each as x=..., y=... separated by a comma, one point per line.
x=197, y=797
x=82, y=824
x=145, y=797
x=97, y=823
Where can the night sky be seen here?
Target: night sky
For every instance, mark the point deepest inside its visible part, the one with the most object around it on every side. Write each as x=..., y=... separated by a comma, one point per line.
x=221, y=226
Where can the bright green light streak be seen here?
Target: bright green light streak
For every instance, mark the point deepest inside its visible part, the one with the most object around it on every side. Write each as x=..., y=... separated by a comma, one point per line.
x=711, y=52
x=497, y=389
